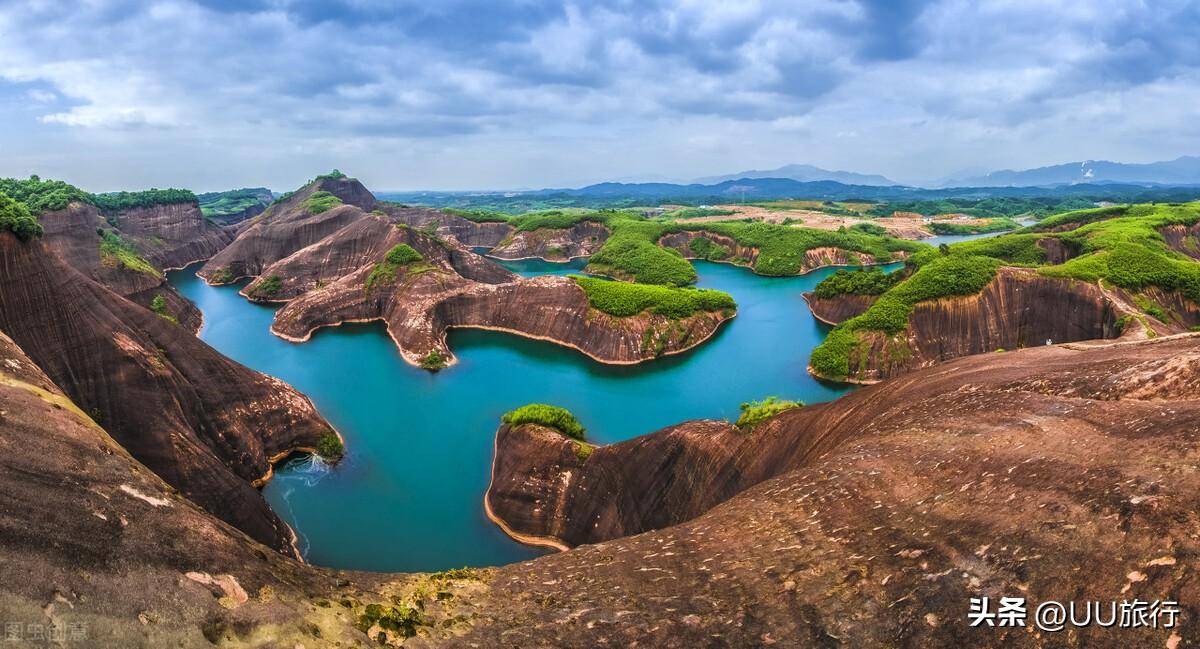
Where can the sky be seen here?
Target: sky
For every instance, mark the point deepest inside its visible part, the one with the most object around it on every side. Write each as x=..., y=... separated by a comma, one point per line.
x=449, y=94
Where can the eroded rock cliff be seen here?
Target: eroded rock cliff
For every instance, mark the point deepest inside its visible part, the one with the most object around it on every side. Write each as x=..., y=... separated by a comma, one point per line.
x=205, y=424
x=421, y=301
x=1060, y=473
x=551, y=244
x=838, y=309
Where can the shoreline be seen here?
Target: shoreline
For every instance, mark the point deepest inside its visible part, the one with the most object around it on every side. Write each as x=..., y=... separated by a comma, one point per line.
x=525, y=539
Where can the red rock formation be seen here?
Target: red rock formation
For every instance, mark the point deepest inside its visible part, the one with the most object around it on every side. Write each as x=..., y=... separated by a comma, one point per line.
x=1019, y=308
x=323, y=265
x=1058, y=473
x=172, y=236
x=166, y=235
x=1183, y=239
x=740, y=255
x=451, y=226
x=287, y=226
x=579, y=240
x=203, y=423
x=427, y=299
x=835, y=310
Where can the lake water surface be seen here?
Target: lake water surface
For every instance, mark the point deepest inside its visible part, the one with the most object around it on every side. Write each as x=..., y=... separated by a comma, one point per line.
x=409, y=494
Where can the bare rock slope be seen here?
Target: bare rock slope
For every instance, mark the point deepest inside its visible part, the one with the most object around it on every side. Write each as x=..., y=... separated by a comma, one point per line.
x=1062, y=472
x=205, y=424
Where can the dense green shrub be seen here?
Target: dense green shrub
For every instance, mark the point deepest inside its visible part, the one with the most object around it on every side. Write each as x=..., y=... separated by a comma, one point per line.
x=554, y=219
x=333, y=175
x=433, y=361
x=479, y=216
x=330, y=446
x=321, y=201
x=159, y=306
x=705, y=248
x=542, y=414
x=756, y=412
x=43, y=195
x=15, y=218
x=398, y=257
x=119, y=201
x=870, y=228
x=992, y=225
x=401, y=254
x=623, y=299
x=868, y=281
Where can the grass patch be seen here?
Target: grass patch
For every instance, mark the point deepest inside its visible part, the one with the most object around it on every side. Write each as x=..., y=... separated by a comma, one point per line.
x=321, y=201
x=398, y=257
x=268, y=287
x=623, y=299
x=479, y=216
x=117, y=252
x=159, y=306
x=1120, y=245
x=756, y=412
x=549, y=416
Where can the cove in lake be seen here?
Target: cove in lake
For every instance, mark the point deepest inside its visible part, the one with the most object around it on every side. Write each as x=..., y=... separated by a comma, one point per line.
x=409, y=495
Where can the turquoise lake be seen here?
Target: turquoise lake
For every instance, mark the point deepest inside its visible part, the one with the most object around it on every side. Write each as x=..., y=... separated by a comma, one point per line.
x=409, y=494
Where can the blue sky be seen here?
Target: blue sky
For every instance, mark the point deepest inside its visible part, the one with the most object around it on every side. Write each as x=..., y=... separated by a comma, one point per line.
x=213, y=94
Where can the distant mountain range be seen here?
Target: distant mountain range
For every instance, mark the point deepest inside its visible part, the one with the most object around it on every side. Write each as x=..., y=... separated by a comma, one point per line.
x=802, y=173
x=1184, y=170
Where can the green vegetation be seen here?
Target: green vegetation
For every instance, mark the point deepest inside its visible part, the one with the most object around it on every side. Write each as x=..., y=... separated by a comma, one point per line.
x=433, y=361
x=756, y=412
x=987, y=207
x=632, y=252
x=696, y=212
x=43, y=195
x=321, y=201
x=48, y=195
x=541, y=414
x=398, y=257
x=870, y=228
x=400, y=620
x=583, y=450
x=781, y=249
x=117, y=252
x=221, y=205
x=623, y=299
x=1121, y=246
x=867, y=281
x=159, y=306
x=333, y=175
x=15, y=218
x=330, y=447
x=479, y=216
x=705, y=248
x=119, y=201
x=991, y=225
x=554, y=219
x=269, y=287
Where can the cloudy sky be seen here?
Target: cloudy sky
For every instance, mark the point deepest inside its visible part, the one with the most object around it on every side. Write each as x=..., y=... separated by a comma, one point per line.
x=448, y=94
